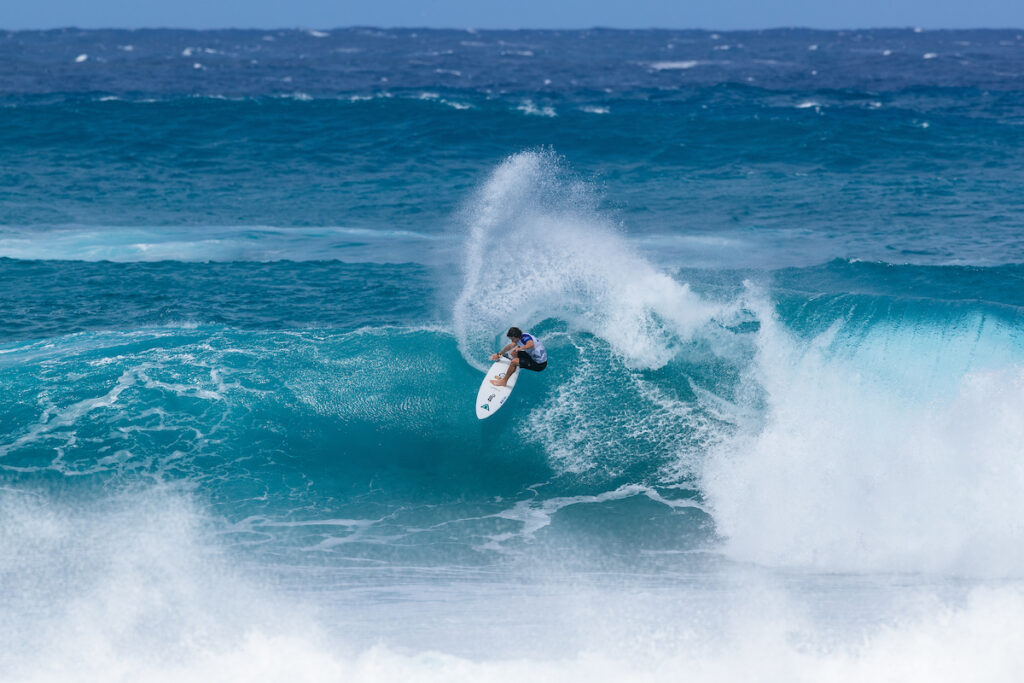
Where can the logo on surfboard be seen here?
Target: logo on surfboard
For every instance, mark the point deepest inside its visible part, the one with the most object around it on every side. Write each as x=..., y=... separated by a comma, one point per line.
x=486, y=406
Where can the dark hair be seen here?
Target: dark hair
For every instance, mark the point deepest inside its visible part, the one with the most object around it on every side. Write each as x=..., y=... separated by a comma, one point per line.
x=514, y=333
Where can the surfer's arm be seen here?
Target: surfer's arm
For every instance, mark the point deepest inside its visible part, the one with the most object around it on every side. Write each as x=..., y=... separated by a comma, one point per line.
x=508, y=347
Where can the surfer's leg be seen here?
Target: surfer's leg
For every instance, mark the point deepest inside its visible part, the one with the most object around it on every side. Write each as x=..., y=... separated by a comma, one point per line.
x=527, y=363
x=512, y=367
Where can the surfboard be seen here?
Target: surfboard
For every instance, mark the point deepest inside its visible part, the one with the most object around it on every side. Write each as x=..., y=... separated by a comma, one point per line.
x=490, y=398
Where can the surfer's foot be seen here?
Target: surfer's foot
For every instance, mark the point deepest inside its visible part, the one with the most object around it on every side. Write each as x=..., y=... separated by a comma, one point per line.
x=497, y=383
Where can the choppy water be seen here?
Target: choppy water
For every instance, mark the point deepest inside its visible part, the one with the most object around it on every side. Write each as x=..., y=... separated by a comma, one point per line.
x=248, y=282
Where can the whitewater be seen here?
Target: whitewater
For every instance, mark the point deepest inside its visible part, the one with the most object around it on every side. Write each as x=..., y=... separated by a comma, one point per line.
x=243, y=320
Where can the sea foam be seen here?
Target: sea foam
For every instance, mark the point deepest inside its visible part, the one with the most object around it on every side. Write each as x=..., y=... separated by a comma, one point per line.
x=134, y=587
x=885, y=447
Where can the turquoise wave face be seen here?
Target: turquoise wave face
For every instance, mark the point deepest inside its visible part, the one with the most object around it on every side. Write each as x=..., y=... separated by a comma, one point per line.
x=358, y=443
x=374, y=426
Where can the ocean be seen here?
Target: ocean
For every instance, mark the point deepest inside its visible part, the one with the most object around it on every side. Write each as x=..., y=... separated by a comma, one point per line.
x=250, y=281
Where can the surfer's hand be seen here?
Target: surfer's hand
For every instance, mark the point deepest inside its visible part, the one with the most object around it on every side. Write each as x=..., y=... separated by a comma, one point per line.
x=495, y=356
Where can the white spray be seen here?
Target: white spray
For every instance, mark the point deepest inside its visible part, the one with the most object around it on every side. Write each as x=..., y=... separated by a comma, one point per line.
x=537, y=248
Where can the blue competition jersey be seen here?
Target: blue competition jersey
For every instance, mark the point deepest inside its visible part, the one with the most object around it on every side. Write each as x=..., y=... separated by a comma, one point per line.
x=537, y=353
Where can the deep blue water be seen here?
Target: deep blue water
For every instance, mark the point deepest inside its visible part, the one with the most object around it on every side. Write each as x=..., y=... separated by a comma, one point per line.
x=249, y=281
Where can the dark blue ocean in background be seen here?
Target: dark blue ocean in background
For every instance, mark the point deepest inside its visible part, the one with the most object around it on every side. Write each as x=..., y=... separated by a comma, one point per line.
x=249, y=281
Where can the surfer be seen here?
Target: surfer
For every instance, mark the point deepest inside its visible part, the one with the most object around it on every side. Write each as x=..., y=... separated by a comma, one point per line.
x=530, y=354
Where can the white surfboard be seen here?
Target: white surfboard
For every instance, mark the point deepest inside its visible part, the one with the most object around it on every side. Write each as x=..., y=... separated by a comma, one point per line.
x=490, y=397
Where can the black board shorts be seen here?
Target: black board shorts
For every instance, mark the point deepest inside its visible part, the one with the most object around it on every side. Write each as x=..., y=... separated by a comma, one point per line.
x=528, y=363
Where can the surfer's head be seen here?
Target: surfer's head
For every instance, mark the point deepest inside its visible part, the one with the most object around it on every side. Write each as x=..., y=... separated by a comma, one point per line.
x=514, y=333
